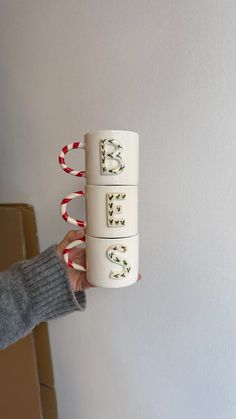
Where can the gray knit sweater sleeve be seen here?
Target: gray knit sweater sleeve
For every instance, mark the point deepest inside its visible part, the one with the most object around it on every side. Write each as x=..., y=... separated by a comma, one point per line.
x=32, y=291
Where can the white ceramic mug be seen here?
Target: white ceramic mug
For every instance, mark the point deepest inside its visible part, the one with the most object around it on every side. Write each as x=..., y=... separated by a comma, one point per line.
x=111, y=157
x=110, y=263
x=111, y=211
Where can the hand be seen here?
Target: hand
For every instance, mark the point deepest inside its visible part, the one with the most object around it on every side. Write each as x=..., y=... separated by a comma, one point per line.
x=78, y=279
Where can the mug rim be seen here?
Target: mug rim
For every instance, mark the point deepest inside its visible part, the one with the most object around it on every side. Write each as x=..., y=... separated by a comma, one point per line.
x=110, y=130
x=110, y=186
x=134, y=236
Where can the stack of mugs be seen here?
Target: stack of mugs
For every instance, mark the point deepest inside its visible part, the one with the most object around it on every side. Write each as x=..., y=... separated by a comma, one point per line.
x=111, y=200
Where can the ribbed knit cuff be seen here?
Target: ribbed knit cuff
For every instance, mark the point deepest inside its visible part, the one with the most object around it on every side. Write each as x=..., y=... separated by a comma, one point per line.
x=49, y=288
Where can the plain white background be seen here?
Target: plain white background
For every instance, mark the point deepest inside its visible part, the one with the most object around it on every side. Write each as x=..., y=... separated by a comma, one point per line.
x=166, y=347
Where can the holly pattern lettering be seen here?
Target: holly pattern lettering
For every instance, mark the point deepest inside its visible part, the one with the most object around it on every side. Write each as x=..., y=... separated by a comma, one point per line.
x=106, y=156
x=114, y=257
x=113, y=209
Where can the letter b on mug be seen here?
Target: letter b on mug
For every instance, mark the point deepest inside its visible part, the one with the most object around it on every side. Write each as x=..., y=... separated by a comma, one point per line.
x=111, y=157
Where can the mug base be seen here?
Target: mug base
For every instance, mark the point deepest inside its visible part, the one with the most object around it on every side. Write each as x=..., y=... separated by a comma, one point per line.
x=114, y=284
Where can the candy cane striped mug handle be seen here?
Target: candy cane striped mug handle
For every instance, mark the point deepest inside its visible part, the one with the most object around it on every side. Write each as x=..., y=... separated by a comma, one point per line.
x=64, y=151
x=65, y=201
x=66, y=252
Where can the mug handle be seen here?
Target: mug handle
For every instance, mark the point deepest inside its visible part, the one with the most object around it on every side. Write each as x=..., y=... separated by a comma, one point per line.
x=65, y=201
x=66, y=252
x=61, y=159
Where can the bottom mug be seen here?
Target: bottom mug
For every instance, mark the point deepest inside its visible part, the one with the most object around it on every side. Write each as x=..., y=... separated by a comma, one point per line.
x=110, y=263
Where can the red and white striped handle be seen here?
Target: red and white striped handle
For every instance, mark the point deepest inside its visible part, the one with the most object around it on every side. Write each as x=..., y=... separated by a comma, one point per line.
x=64, y=212
x=64, y=151
x=66, y=252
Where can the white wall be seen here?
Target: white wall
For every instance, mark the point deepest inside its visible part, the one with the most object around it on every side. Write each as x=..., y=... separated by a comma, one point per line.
x=165, y=348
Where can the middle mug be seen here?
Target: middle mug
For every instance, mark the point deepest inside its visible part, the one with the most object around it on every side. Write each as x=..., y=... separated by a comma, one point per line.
x=111, y=211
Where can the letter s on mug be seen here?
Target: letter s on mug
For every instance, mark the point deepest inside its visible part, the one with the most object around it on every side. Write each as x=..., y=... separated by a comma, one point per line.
x=113, y=255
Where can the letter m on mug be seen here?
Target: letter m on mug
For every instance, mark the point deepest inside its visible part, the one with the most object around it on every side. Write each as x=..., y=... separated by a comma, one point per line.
x=111, y=157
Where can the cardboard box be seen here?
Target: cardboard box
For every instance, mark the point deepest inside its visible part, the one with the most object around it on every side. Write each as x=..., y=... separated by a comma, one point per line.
x=27, y=386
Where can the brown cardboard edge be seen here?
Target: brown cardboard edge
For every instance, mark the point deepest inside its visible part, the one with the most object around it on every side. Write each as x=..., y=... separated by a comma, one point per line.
x=40, y=334
x=13, y=255
x=44, y=358
x=29, y=225
x=49, y=402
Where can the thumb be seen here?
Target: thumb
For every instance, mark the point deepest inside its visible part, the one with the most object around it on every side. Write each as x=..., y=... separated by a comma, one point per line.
x=73, y=235
x=70, y=237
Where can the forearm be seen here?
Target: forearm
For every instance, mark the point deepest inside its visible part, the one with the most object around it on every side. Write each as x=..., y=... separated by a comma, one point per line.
x=32, y=291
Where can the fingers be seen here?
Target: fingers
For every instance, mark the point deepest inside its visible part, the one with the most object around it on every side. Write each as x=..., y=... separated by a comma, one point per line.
x=85, y=284
x=78, y=255
x=73, y=235
x=70, y=237
x=79, y=281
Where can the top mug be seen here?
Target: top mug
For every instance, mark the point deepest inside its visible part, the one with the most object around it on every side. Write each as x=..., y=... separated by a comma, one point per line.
x=111, y=157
